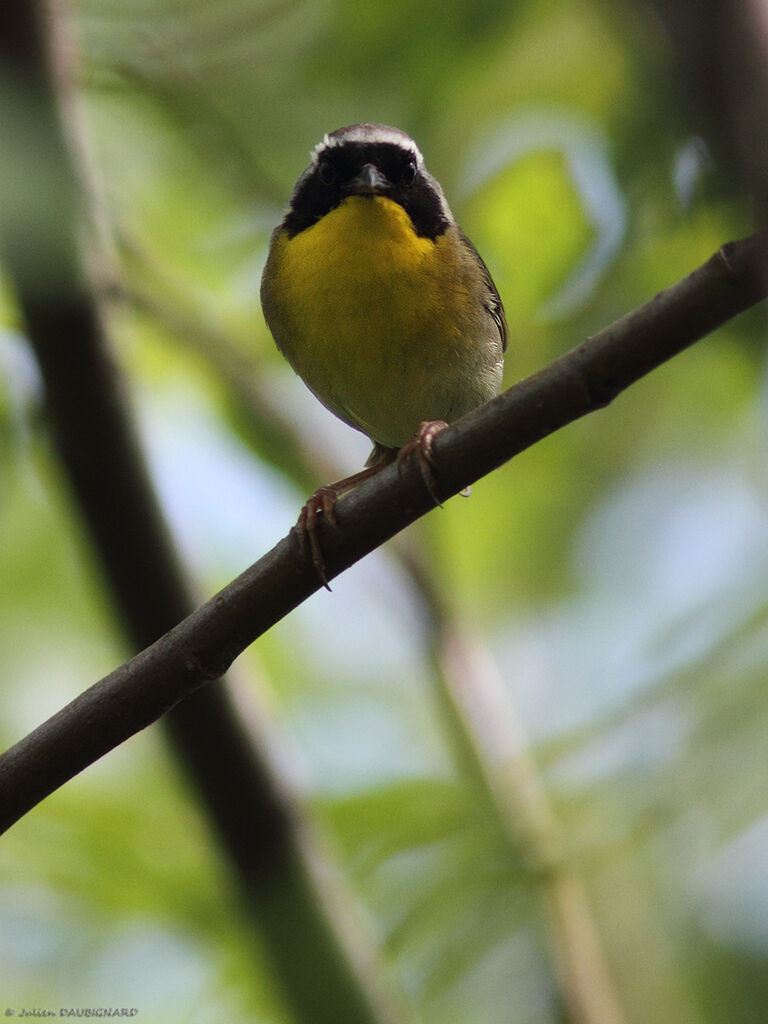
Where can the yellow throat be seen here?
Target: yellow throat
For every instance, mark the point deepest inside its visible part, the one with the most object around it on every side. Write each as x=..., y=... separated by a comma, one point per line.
x=371, y=315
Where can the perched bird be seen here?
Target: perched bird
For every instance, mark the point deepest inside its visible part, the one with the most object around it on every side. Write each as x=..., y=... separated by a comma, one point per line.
x=380, y=303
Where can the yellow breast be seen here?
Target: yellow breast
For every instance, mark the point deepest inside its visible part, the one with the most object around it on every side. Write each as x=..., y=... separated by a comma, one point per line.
x=373, y=317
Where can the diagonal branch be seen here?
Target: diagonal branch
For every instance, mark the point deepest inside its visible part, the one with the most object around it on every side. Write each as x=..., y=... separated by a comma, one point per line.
x=202, y=646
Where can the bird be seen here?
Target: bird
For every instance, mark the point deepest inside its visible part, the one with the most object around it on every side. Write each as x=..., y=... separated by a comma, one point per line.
x=380, y=303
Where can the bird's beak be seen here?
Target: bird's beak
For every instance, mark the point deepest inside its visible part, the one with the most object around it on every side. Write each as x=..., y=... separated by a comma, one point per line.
x=370, y=181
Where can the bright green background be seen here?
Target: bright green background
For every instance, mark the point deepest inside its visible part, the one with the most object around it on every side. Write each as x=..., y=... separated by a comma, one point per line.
x=617, y=573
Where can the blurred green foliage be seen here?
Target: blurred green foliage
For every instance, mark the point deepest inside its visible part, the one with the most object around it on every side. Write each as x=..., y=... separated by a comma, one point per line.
x=616, y=572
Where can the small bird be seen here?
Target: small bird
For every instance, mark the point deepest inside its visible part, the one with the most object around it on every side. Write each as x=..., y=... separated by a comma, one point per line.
x=380, y=303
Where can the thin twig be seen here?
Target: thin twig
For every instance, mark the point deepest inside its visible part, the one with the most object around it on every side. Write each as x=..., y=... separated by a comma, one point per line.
x=492, y=743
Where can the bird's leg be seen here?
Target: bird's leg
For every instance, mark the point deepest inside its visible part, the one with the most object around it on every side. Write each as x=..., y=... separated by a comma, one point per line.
x=323, y=502
x=422, y=443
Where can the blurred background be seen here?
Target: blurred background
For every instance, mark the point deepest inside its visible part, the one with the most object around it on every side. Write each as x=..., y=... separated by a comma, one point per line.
x=529, y=736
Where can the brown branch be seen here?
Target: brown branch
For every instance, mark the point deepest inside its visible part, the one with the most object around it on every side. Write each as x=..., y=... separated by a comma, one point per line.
x=202, y=647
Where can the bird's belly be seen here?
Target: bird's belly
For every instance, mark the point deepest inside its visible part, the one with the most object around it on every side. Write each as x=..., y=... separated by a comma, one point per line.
x=378, y=321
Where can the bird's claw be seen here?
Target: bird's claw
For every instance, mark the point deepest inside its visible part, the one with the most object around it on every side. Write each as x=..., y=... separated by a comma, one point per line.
x=422, y=443
x=322, y=502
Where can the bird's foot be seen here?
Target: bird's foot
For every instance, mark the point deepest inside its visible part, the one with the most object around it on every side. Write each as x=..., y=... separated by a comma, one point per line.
x=422, y=443
x=323, y=503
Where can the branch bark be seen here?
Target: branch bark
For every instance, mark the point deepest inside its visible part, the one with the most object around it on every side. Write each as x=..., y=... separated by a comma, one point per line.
x=202, y=646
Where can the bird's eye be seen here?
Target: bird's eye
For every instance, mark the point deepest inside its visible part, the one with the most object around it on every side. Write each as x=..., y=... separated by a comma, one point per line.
x=326, y=172
x=408, y=173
